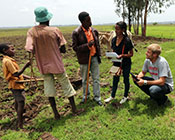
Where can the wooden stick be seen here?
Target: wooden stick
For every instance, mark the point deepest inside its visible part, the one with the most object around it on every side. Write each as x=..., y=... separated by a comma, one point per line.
x=87, y=81
x=31, y=67
x=31, y=80
x=31, y=55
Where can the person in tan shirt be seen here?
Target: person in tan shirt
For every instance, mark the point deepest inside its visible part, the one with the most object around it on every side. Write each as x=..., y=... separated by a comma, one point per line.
x=12, y=74
x=47, y=43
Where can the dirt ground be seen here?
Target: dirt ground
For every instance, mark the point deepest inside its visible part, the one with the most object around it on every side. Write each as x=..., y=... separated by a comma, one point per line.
x=39, y=102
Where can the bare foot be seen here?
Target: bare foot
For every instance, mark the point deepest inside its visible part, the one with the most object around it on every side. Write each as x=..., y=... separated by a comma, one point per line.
x=78, y=112
x=20, y=125
x=57, y=117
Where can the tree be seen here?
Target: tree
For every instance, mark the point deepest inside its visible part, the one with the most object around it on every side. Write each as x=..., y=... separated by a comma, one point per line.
x=121, y=9
x=138, y=10
x=155, y=7
x=131, y=10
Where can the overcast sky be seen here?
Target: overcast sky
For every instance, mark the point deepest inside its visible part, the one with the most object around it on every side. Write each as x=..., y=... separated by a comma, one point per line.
x=20, y=12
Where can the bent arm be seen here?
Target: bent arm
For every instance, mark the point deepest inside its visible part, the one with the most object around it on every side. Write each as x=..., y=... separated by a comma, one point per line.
x=130, y=54
x=160, y=82
x=29, y=42
x=141, y=74
x=139, y=77
x=75, y=44
x=17, y=74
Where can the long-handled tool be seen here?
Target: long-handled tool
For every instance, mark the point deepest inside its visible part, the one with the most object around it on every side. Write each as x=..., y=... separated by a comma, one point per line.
x=87, y=80
x=31, y=55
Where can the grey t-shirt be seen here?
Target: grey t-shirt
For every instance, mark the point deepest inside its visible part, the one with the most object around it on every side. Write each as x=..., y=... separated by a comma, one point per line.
x=158, y=69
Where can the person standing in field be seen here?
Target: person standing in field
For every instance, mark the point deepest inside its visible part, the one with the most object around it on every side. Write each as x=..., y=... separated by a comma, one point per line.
x=12, y=73
x=122, y=45
x=85, y=42
x=161, y=81
x=46, y=42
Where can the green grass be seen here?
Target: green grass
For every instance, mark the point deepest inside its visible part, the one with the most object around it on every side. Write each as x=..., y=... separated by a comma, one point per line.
x=160, y=31
x=13, y=32
x=138, y=119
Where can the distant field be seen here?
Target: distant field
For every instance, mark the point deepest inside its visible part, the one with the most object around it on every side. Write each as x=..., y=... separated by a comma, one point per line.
x=160, y=31
x=13, y=32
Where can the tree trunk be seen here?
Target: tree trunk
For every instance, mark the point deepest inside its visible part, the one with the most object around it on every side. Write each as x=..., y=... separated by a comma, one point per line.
x=129, y=19
x=123, y=11
x=138, y=17
x=145, y=18
x=134, y=26
x=142, y=23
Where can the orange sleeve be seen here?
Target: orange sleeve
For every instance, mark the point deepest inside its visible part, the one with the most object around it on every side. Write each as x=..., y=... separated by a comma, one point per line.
x=10, y=67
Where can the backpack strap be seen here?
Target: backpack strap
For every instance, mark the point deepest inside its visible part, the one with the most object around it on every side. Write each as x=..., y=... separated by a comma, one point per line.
x=123, y=49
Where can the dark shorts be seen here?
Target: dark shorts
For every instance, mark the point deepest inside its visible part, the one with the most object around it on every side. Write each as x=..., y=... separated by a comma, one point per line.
x=18, y=94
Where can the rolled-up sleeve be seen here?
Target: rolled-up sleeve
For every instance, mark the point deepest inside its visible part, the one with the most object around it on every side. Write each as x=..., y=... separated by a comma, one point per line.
x=29, y=42
x=61, y=37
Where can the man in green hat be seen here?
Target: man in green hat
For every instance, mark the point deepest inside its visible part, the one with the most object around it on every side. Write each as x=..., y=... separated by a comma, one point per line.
x=45, y=42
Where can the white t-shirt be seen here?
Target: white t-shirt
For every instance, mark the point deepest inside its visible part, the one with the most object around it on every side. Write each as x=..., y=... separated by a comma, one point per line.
x=158, y=69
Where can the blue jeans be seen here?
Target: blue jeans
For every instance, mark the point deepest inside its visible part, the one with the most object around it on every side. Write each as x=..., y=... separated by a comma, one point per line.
x=156, y=92
x=126, y=71
x=94, y=69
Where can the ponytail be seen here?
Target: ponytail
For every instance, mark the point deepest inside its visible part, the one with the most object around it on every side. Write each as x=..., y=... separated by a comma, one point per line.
x=126, y=33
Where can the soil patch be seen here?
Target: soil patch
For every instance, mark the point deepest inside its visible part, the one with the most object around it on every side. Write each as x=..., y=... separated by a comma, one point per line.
x=39, y=103
x=47, y=136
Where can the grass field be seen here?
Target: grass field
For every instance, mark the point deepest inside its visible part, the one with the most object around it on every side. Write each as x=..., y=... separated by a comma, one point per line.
x=160, y=31
x=138, y=119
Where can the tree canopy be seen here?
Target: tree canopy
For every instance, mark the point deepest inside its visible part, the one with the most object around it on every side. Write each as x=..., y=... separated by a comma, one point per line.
x=136, y=11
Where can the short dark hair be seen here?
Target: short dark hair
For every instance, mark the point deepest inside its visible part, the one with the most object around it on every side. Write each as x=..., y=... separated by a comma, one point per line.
x=4, y=47
x=82, y=16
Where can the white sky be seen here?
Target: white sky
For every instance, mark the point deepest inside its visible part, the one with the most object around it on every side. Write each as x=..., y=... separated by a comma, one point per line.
x=20, y=12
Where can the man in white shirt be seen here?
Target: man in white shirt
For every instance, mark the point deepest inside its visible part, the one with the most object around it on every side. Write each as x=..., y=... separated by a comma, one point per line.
x=161, y=82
